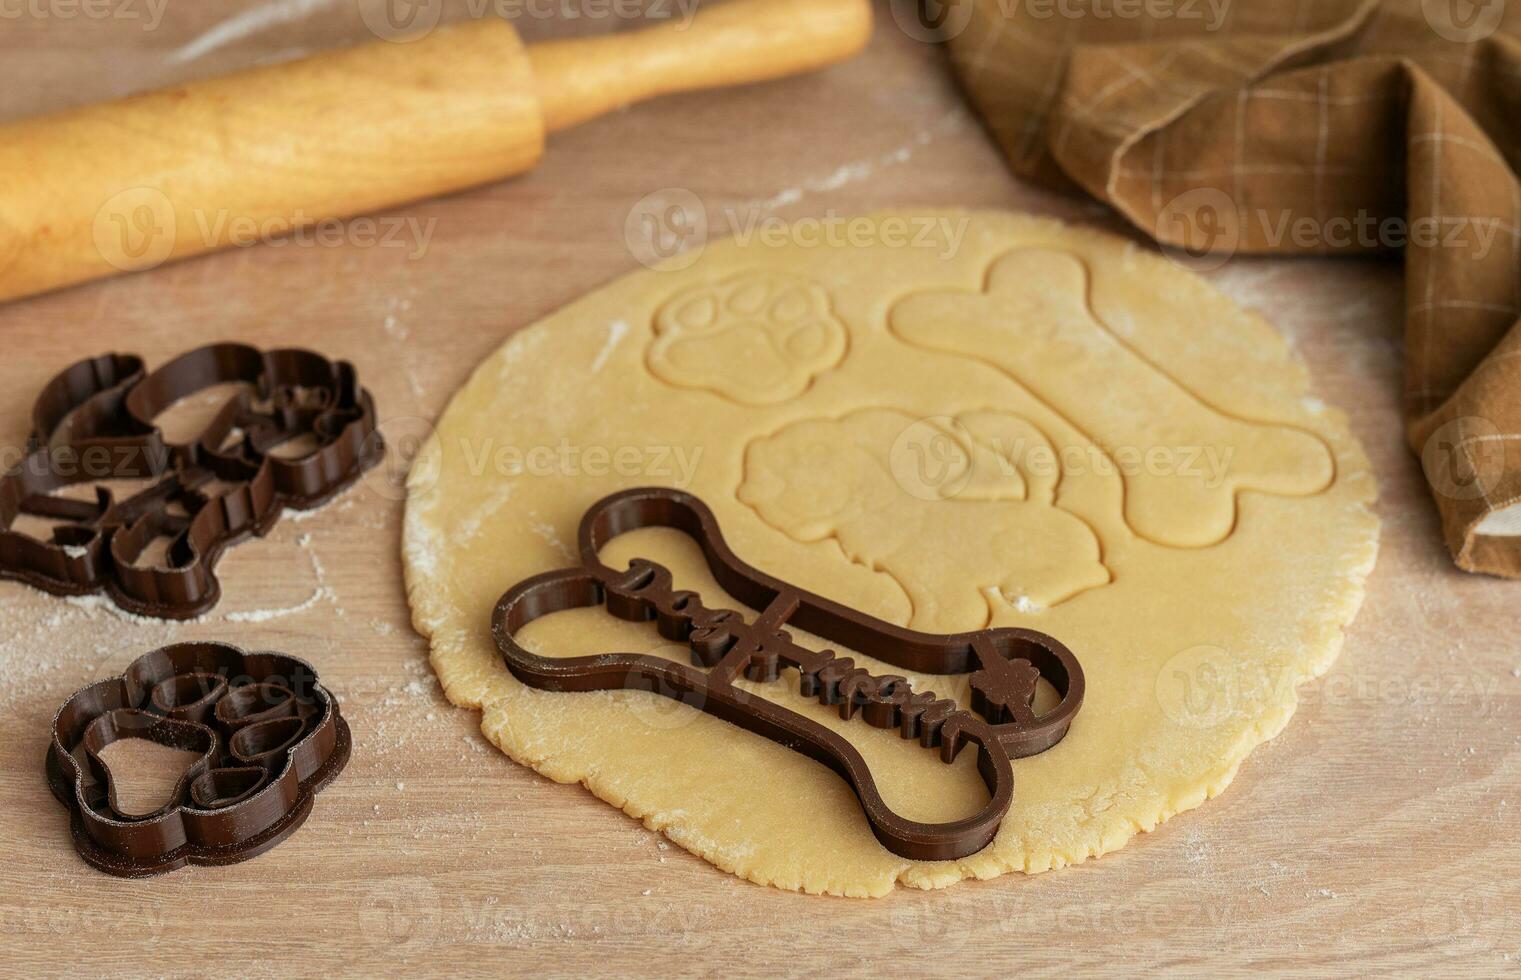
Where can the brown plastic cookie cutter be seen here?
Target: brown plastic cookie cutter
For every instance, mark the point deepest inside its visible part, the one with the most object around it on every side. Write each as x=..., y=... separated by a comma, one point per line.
x=270, y=737
x=95, y=422
x=1005, y=665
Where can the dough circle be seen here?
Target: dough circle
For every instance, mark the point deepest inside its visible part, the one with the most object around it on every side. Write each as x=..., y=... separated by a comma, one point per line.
x=907, y=416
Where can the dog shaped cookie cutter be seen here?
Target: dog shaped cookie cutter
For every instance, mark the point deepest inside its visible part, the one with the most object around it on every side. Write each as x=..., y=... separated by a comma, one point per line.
x=94, y=423
x=1005, y=665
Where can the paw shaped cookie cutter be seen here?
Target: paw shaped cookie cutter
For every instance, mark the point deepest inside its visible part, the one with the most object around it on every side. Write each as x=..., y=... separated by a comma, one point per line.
x=94, y=423
x=1005, y=665
x=270, y=737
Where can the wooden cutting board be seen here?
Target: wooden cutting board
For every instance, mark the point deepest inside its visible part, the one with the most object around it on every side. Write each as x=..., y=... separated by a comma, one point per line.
x=1377, y=833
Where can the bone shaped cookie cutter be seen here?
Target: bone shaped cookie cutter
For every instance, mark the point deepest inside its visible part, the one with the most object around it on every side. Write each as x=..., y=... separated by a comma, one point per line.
x=1005, y=665
x=94, y=423
x=268, y=735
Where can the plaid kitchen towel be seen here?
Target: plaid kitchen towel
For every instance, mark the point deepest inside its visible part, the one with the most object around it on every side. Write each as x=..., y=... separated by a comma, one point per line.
x=1296, y=127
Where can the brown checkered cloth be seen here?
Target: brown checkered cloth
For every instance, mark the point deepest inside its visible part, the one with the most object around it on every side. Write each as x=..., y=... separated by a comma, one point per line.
x=1304, y=127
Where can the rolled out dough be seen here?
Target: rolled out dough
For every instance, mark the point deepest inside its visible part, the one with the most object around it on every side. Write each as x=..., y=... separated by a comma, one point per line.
x=992, y=419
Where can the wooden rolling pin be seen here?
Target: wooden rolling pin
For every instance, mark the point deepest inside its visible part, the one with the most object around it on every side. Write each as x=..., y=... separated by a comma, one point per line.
x=131, y=184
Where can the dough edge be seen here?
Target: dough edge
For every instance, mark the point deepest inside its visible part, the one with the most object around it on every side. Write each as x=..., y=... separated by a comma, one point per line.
x=1139, y=812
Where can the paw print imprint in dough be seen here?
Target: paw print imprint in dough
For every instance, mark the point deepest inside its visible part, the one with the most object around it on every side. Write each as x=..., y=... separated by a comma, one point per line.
x=757, y=338
x=996, y=529
x=1033, y=322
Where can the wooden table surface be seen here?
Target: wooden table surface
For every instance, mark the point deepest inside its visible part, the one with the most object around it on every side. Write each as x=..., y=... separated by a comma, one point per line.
x=1377, y=833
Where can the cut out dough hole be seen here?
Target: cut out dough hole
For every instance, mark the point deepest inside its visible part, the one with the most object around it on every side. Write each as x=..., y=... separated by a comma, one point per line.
x=162, y=553
x=38, y=528
x=186, y=419
x=295, y=448
x=144, y=774
x=214, y=488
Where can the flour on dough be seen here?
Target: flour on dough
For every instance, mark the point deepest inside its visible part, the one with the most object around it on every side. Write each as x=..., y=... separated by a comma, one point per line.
x=1049, y=428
